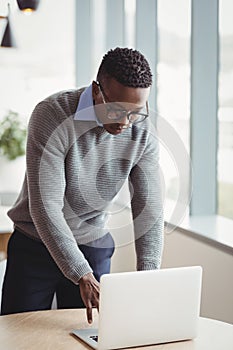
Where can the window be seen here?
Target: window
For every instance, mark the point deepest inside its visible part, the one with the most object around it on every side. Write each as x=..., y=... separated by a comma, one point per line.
x=44, y=60
x=173, y=81
x=42, y=64
x=130, y=12
x=225, y=111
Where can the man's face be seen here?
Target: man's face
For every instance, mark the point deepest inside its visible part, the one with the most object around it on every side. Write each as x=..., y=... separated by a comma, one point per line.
x=114, y=99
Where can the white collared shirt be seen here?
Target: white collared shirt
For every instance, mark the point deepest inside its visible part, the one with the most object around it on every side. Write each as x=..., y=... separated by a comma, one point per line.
x=85, y=110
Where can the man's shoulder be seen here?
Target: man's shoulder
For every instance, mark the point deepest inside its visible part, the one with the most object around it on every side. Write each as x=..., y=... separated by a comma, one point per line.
x=55, y=109
x=59, y=106
x=65, y=98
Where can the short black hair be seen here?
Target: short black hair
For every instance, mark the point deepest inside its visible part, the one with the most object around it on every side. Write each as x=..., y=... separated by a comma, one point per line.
x=129, y=67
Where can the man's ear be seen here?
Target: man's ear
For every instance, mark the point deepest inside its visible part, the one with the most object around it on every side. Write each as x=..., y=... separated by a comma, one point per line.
x=95, y=89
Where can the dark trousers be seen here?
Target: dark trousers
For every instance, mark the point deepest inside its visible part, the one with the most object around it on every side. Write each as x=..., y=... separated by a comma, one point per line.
x=32, y=277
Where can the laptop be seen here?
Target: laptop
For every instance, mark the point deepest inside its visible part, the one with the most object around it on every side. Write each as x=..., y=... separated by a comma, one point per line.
x=145, y=308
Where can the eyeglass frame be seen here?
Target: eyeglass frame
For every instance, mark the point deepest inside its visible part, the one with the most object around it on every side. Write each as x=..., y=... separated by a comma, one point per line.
x=126, y=113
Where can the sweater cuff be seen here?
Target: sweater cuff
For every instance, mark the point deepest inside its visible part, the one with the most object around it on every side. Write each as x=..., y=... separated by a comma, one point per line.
x=147, y=266
x=80, y=271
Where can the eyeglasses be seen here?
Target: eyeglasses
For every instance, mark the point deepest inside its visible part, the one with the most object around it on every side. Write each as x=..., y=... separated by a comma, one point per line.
x=117, y=114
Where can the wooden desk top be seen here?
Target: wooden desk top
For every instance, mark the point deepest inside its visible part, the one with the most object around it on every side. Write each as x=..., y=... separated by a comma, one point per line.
x=46, y=330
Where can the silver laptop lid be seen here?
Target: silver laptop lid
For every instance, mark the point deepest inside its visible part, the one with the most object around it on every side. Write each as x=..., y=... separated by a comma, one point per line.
x=149, y=307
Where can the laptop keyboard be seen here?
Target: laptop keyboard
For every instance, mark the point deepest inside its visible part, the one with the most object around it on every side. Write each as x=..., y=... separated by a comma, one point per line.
x=94, y=337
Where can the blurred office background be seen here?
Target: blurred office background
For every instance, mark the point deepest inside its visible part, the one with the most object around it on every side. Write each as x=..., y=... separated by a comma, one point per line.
x=189, y=45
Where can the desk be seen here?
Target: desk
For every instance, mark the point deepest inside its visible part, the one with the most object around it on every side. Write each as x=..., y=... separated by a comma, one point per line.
x=50, y=330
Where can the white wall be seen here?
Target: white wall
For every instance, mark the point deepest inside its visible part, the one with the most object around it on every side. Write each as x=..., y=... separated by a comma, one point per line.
x=217, y=291
x=182, y=250
x=11, y=174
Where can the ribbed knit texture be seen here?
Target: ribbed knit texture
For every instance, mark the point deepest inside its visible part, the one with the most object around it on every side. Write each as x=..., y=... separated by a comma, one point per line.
x=74, y=170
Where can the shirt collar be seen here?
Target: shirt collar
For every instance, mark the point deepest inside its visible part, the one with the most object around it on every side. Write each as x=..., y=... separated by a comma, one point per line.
x=85, y=110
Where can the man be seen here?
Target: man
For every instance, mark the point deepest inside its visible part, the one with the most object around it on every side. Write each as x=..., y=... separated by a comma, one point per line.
x=82, y=146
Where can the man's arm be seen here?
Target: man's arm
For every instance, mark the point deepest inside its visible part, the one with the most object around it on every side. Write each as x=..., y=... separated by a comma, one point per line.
x=147, y=208
x=48, y=142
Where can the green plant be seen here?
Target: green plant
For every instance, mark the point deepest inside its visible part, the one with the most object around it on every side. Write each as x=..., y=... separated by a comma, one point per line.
x=12, y=136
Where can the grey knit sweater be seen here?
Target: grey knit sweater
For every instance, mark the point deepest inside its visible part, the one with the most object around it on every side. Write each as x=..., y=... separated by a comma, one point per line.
x=74, y=170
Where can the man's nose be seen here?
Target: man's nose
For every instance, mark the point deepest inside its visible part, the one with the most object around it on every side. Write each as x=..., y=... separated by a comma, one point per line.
x=125, y=120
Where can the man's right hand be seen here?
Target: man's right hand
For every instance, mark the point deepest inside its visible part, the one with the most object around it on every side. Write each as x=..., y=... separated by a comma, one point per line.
x=89, y=290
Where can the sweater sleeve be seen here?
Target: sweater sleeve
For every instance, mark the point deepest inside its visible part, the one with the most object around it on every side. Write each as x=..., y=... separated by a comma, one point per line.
x=147, y=207
x=45, y=156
